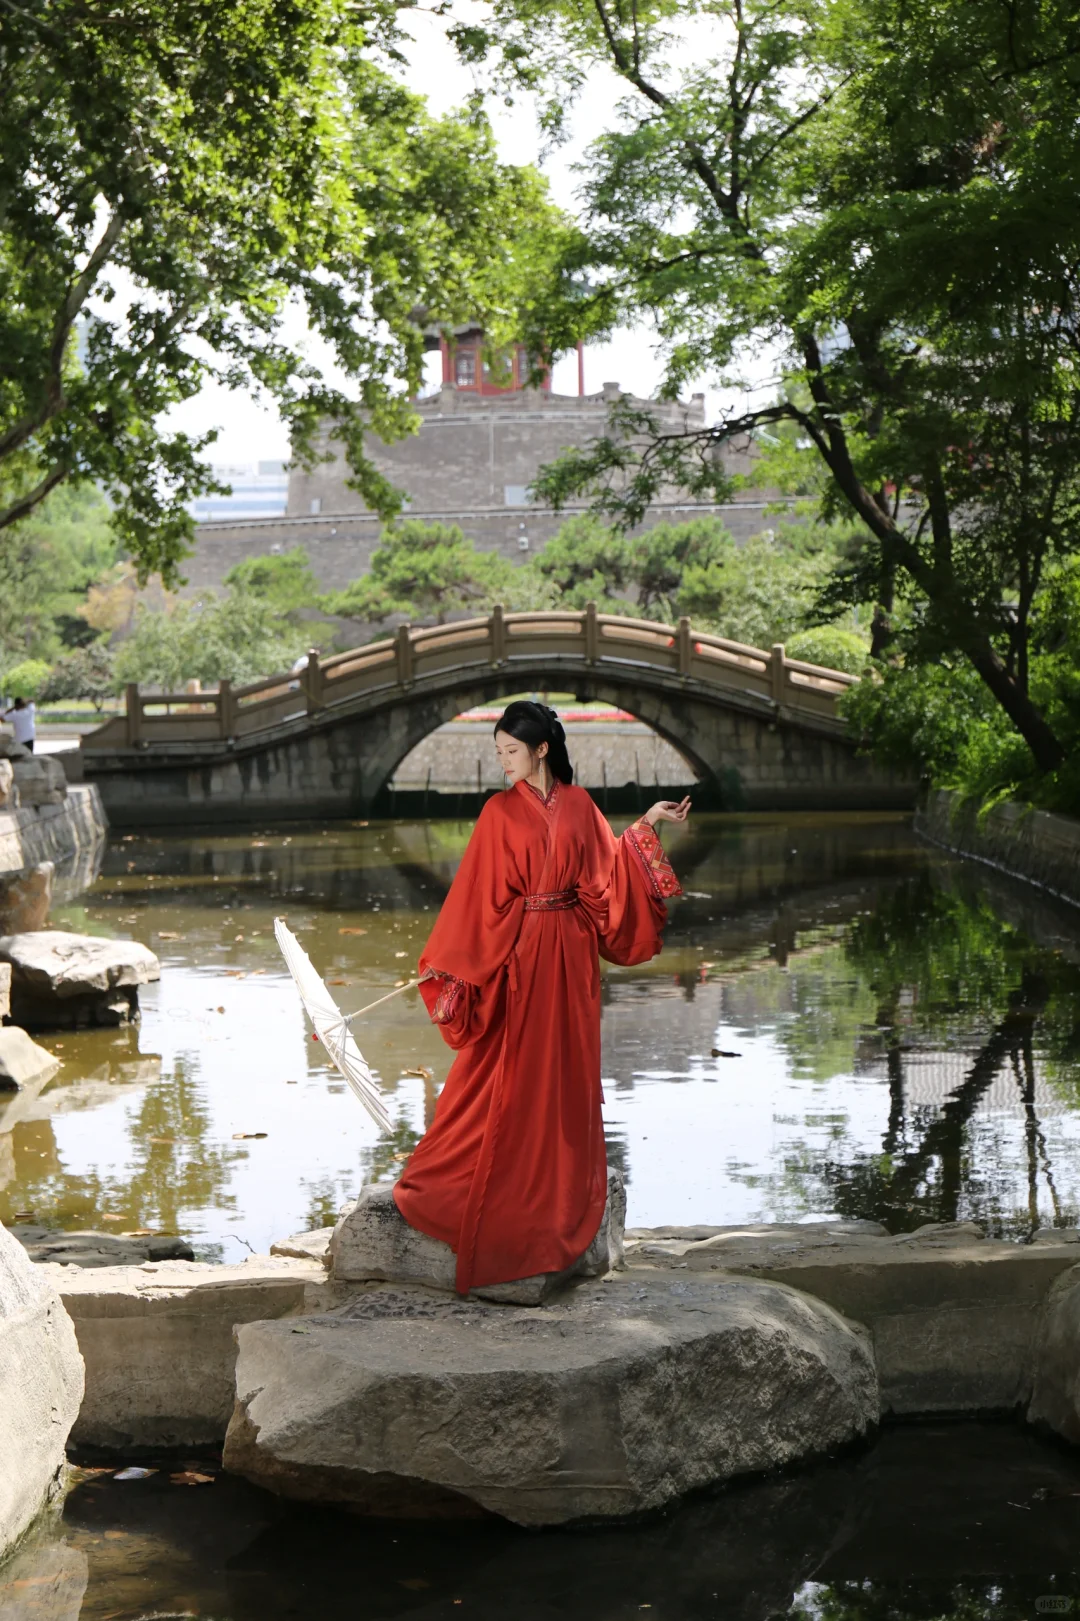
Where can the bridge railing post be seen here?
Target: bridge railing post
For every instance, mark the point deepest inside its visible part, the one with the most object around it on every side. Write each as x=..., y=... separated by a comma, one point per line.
x=778, y=670
x=133, y=713
x=497, y=625
x=592, y=634
x=683, y=646
x=313, y=682
x=404, y=655
x=226, y=707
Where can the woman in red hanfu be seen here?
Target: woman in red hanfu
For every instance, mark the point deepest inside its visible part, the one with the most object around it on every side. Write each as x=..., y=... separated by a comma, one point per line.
x=512, y=1173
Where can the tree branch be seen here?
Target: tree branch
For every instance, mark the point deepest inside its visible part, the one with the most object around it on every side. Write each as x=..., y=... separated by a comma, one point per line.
x=53, y=393
x=23, y=507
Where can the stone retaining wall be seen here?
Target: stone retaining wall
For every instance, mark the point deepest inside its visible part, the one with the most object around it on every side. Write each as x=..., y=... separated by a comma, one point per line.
x=1041, y=848
x=56, y=833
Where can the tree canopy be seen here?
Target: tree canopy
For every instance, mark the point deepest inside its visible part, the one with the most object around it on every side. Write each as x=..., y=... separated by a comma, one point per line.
x=178, y=183
x=882, y=194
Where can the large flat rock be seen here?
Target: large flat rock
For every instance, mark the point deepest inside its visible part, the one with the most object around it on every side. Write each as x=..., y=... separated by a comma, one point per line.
x=616, y=1398
x=41, y=1386
x=1055, y=1396
x=60, y=979
x=954, y=1316
x=22, y=1061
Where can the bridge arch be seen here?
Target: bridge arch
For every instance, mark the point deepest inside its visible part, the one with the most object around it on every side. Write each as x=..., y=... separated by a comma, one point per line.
x=760, y=728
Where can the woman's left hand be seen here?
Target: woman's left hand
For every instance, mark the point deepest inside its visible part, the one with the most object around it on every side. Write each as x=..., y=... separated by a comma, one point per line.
x=668, y=810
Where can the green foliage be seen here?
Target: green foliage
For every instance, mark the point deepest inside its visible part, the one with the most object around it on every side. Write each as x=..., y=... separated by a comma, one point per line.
x=586, y=561
x=883, y=191
x=832, y=647
x=172, y=183
x=237, y=637
x=939, y=720
x=759, y=594
x=284, y=581
x=429, y=570
x=46, y=564
x=662, y=555
x=25, y=679
x=86, y=672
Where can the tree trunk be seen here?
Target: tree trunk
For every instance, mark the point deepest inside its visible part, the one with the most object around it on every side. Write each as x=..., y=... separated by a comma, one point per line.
x=1033, y=727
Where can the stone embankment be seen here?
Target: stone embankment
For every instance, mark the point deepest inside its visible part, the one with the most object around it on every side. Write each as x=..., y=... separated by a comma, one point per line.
x=713, y=1352
x=1034, y=845
x=43, y=817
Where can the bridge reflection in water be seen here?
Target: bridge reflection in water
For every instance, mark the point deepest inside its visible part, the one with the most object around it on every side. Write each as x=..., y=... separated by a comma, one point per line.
x=761, y=730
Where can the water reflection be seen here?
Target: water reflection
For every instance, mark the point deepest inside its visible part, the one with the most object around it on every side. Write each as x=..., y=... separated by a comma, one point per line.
x=938, y=1521
x=840, y=1020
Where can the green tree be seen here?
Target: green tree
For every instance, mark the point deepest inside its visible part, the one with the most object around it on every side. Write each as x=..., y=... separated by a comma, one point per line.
x=173, y=181
x=285, y=581
x=883, y=192
x=430, y=570
x=237, y=637
x=661, y=556
x=85, y=672
x=587, y=561
x=47, y=564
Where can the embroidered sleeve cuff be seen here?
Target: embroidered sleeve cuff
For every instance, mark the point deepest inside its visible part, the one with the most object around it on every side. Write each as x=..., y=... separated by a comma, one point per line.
x=448, y=995
x=645, y=843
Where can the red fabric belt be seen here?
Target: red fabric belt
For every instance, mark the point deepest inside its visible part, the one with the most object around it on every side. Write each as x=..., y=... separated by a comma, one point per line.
x=558, y=900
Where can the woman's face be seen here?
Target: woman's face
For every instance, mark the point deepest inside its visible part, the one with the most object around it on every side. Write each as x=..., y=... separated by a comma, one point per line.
x=515, y=757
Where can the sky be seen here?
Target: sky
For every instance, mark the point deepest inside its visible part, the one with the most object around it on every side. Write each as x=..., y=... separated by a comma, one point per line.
x=251, y=430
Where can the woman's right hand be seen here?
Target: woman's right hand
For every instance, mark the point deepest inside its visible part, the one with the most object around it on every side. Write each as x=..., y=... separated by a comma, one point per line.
x=668, y=810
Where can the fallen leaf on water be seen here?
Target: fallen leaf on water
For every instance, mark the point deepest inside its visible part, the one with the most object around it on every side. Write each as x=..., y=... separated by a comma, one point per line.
x=22, y=1215
x=237, y=937
x=221, y=1010
x=134, y=1473
x=359, y=824
x=235, y=973
x=400, y=1157
x=115, y=1536
x=191, y=1477
x=138, y=1232
x=237, y=1135
x=398, y=983
x=110, y=1217
x=258, y=844
x=421, y=1071
x=168, y=934
x=401, y=953
x=718, y=1052
x=339, y=982
x=163, y=1139
x=352, y=931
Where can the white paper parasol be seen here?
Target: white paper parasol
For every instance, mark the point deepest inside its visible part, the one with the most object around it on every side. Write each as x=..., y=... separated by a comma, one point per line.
x=331, y=1025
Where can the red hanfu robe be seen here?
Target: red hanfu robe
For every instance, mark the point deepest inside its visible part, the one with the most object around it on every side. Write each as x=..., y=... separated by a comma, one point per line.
x=512, y=1172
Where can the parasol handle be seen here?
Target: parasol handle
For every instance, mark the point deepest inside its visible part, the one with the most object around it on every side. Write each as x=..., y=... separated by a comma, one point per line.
x=408, y=986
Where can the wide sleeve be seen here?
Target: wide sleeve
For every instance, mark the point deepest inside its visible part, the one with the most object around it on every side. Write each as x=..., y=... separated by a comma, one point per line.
x=631, y=883
x=476, y=929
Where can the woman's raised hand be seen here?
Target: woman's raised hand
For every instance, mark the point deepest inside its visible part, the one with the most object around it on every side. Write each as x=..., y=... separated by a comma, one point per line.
x=668, y=810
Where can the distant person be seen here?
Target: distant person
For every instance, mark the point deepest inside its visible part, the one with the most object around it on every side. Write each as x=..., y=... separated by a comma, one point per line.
x=22, y=717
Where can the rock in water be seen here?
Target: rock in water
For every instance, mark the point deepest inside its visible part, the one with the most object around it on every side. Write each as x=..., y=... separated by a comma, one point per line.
x=373, y=1242
x=615, y=1399
x=63, y=980
x=42, y=1382
x=22, y=1061
x=26, y=898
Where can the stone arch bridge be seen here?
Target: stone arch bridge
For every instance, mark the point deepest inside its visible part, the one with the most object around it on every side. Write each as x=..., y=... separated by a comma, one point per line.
x=760, y=728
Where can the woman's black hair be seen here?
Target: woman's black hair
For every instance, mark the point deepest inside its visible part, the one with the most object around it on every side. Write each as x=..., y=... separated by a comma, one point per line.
x=533, y=724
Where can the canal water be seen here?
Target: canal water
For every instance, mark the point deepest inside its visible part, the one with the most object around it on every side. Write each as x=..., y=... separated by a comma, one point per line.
x=842, y=1020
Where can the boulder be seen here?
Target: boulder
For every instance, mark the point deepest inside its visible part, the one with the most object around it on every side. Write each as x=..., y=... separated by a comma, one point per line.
x=9, y=794
x=5, y=989
x=615, y=1399
x=1055, y=1386
x=10, y=750
x=22, y=1061
x=42, y=1388
x=40, y=779
x=373, y=1242
x=312, y=1246
x=63, y=980
x=25, y=899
